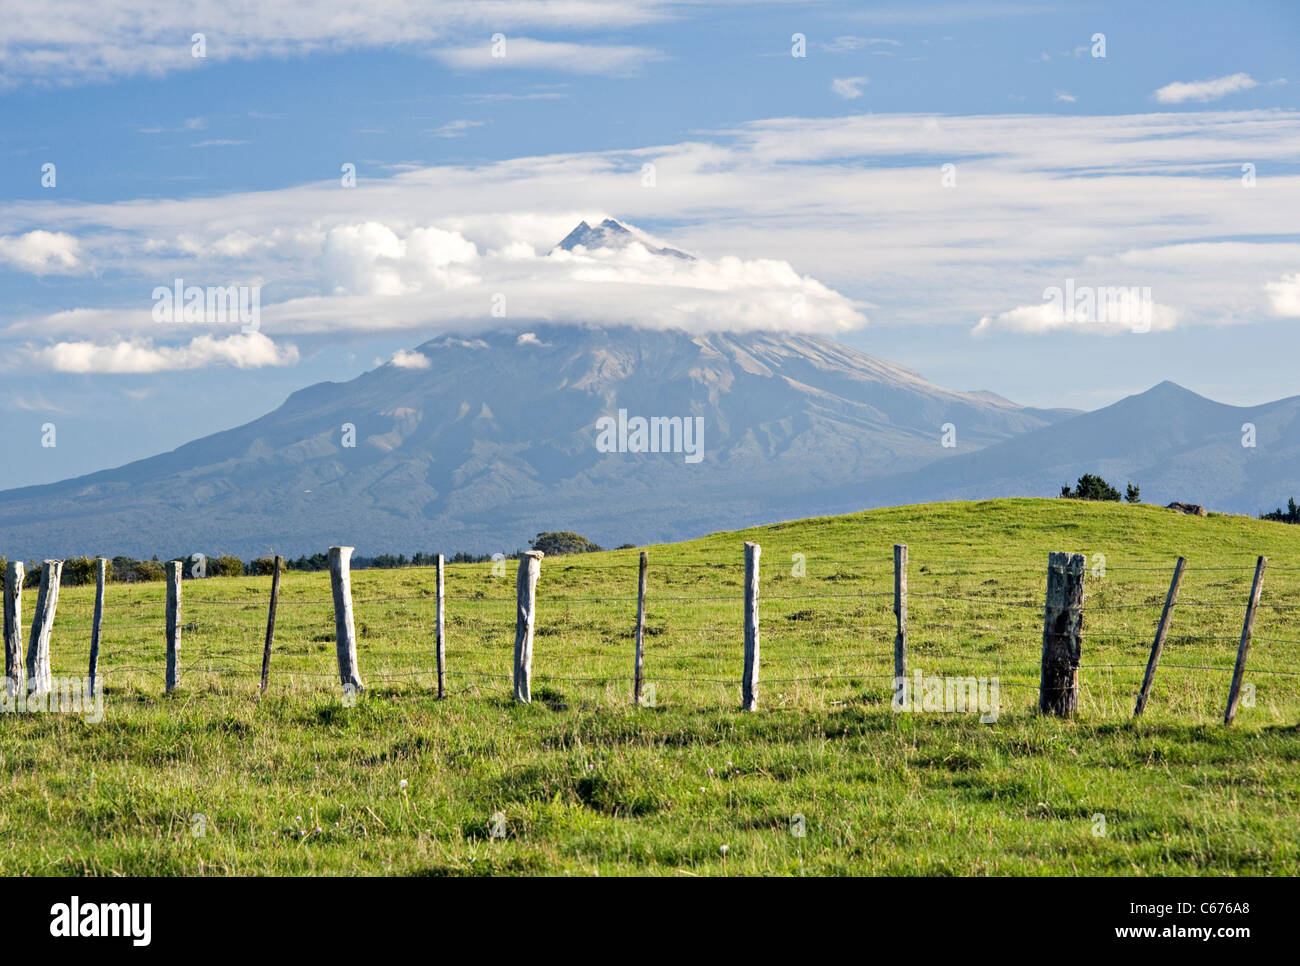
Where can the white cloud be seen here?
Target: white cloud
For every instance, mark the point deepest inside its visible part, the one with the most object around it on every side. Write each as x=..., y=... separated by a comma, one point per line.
x=848, y=87
x=850, y=43
x=530, y=54
x=89, y=40
x=42, y=252
x=1101, y=311
x=627, y=286
x=455, y=129
x=405, y=359
x=851, y=204
x=530, y=338
x=363, y=259
x=1210, y=89
x=372, y=259
x=251, y=351
x=1065, y=97
x=1284, y=296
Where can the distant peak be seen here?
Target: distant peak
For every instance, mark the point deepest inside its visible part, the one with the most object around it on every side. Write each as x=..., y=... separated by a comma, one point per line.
x=1170, y=388
x=613, y=234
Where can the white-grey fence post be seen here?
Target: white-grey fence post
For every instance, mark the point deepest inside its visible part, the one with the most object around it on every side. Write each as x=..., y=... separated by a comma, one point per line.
x=900, y=613
x=442, y=629
x=1162, y=631
x=530, y=567
x=14, y=574
x=345, y=635
x=101, y=571
x=173, y=678
x=39, y=676
x=749, y=686
x=1243, y=649
x=640, y=631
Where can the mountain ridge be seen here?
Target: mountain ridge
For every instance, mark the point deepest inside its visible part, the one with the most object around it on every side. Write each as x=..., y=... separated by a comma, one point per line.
x=1175, y=444
x=494, y=441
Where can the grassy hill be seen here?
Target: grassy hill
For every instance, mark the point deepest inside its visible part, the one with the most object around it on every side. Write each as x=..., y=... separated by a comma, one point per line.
x=581, y=782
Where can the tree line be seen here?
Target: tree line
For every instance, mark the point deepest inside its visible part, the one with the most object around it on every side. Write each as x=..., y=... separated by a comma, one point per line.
x=1093, y=487
x=129, y=570
x=1290, y=515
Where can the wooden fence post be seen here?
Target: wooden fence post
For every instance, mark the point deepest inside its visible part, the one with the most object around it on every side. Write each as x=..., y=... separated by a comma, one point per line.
x=1243, y=649
x=749, y=684
x=442, y=629
x=530, y=566
x=640, y=631
x=270, y=621
x=39, y=676
x=174, y=568
x=1058, y=688
x=14, y=574
x=101, y=571
x=900, y=612
x=1158, y=645
x=345, y=635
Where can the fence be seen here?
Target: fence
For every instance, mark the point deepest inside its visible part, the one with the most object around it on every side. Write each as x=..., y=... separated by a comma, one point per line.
x=642, y=644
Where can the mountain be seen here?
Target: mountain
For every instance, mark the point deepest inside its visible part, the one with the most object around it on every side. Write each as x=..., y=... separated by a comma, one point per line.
x=614, y=235
x=497, y=439
x=1173, y=443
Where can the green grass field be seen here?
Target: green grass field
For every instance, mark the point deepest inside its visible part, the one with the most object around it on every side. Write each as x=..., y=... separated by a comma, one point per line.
x=583, y=783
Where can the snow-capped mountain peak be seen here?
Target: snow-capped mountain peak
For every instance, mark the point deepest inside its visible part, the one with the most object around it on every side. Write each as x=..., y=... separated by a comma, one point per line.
x=612, y=234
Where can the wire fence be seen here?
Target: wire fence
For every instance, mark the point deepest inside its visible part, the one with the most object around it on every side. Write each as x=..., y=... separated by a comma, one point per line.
x=827, y=631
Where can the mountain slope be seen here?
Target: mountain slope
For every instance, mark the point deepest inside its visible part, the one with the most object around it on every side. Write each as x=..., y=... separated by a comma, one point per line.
x=496, y=439
x=1173, y=443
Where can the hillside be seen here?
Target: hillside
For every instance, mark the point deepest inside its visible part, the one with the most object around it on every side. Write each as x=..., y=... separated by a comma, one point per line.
x=1175, y=444
x=296, y=782
x=479, y=443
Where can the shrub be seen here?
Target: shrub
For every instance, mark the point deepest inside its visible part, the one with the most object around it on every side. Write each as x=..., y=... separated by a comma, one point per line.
x=1092, y=487
x=1290, y=515
x=78, y=571
x=226, y=566
x=559, y=542
x=148, y=570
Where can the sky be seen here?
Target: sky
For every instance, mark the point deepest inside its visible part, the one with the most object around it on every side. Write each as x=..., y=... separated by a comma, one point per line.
x=1064, y=203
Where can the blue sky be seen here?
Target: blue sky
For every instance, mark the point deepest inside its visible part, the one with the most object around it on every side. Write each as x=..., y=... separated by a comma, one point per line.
x=814, y=181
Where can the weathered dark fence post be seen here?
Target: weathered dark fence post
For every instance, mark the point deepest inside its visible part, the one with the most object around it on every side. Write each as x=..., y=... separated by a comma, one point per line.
x=749, y=684
x=270, y=621
x=101, y=571
x=174, y=568
x=345, y=635
x=1243, y=649
x=441, y=630
x=1058, y=688
x=1158, y=645
x=39, y=676
x=530, y=566
x=640, y=631
x=900, y=612
x=14, y=574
